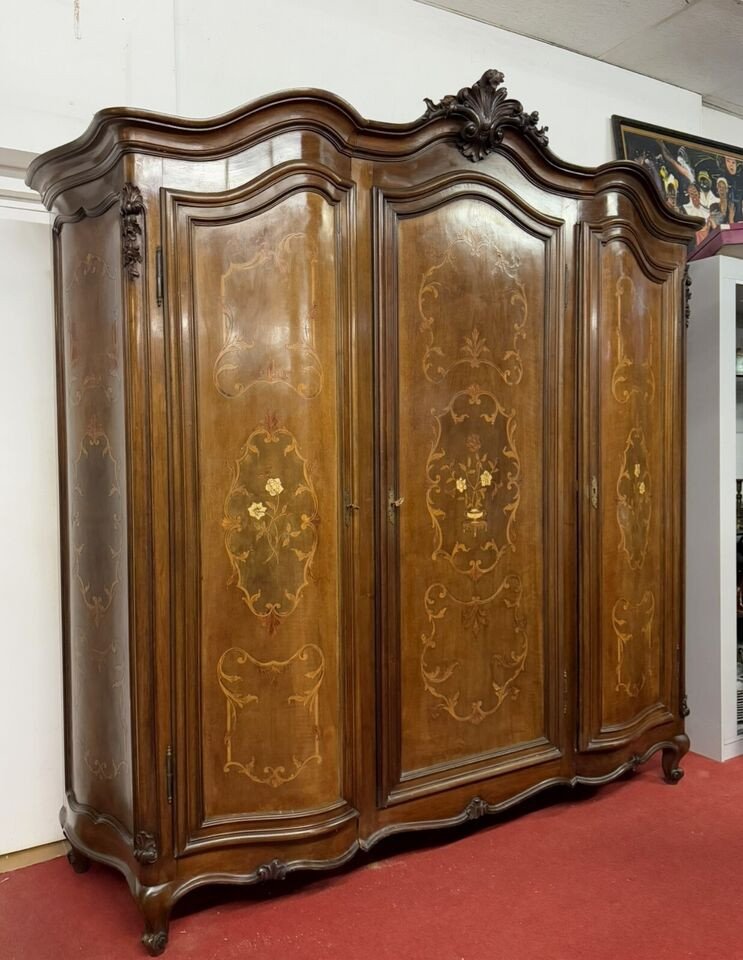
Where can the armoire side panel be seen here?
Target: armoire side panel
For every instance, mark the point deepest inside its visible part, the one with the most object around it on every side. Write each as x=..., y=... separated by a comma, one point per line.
x=632, y=646
x=263, y=305
x=94, y=497
x=469, y=335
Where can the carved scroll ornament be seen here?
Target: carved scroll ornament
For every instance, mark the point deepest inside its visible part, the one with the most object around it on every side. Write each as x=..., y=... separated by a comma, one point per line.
x=485, y=112
x=132, y=208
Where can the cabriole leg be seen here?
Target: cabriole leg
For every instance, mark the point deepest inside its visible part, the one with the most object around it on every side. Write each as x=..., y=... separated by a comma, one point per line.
x=672, y=756
x=155, y=904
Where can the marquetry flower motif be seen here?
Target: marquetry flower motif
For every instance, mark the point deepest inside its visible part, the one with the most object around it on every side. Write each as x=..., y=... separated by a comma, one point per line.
x=274, y=486
x=634, y=499
x=461, y=484
x=257, y=510
x=486, y=478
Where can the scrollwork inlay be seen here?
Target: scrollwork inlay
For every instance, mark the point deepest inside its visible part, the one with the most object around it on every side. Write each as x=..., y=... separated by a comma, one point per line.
x=245, y=681
x=632, y=374
x=244, y=359
x=96, y=466
x=441, y=282
x=440, y=678
x=633, y=623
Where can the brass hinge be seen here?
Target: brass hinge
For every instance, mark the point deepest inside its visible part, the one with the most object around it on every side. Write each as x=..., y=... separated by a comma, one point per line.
x=564, y=692
x=159, y=276
x=169, y=772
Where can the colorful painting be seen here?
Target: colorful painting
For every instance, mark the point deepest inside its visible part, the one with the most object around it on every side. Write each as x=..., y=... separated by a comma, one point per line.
x=701, y=178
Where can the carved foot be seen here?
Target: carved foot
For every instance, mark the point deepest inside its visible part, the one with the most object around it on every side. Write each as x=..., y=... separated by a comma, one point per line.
x=155, y=904
x=672, y=756
x=155, y=943
x=78, y=860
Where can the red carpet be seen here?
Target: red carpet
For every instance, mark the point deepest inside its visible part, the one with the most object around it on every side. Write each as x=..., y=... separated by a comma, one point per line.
x=635, y=871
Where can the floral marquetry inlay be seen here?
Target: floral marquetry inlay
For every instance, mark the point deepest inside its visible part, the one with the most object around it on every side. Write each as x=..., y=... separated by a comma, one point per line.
x=481, y=619
x=256, y=689
x=97, y=529
x=634, y=501
x=633, y=625
x=501, y=304
x=473, y=475
x=270, y=523
x=280, y=346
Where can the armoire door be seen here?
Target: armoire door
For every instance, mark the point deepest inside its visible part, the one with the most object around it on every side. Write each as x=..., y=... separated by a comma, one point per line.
x=259, y=302
x=471, y=303
x=632, y=485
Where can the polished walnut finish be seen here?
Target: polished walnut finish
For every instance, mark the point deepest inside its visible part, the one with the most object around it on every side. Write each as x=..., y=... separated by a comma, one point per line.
x=371, y=467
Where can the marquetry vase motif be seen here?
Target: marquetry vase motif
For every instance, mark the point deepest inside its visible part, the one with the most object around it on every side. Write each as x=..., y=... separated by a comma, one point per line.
x=472, y=474
x=634, y=500
x=270, y=523
x=251, y=353
x=474, y=277
x=254, y=689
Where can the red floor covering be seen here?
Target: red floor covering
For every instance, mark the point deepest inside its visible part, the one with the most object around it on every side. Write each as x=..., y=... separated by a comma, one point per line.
x=637, y=870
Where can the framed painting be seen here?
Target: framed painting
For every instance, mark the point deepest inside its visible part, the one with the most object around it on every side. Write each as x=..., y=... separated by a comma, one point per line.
x=702, y=178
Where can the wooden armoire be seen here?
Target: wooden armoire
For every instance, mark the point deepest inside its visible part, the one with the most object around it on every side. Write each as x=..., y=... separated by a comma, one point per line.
x=371, y=443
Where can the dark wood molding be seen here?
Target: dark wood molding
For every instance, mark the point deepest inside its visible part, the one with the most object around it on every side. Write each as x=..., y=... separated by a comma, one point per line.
x=484, y=111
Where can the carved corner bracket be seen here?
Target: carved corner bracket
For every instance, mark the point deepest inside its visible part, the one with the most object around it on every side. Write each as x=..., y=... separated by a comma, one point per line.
x=275, y=870
x=145, y=847
x=132, y=208
x=485, y=111
x=687, y=295
x=475, y=809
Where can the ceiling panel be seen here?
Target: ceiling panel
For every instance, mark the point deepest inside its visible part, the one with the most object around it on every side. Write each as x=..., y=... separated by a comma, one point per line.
x=699, y=49
x=694, y=44
x=587, y=26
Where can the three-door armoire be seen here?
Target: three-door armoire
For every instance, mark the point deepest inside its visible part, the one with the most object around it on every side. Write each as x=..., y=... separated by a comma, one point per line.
x=371, y=442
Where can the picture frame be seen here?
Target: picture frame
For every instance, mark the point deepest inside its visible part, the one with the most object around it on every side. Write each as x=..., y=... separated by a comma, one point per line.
x=700, y=177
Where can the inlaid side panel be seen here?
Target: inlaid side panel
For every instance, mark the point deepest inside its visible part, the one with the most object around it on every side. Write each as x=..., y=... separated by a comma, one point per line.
x=264, y=306
x=470, y=360
x=630, y=646
x=89, y=276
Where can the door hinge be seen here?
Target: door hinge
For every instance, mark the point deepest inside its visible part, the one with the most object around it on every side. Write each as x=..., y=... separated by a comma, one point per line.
x=169, y=772
x=564, y=692
x=159, y=276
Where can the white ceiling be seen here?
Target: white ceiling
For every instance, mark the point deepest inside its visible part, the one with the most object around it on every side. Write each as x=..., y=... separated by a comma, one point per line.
x=695, y=44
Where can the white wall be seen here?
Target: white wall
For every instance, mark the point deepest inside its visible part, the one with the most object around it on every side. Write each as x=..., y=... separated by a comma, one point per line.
x=197, y=59
x=30, y=690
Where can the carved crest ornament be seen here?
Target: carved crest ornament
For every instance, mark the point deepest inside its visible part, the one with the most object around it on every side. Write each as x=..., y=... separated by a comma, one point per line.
x=486, y=111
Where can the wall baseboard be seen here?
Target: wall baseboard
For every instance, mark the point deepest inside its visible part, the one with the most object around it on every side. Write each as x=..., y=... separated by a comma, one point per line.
x=26, y=858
